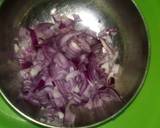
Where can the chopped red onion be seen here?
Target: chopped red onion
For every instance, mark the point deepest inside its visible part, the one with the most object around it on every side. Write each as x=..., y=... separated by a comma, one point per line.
x=62, y=66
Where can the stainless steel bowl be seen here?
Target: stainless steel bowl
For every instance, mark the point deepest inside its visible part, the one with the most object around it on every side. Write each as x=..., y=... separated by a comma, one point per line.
x=132, y=42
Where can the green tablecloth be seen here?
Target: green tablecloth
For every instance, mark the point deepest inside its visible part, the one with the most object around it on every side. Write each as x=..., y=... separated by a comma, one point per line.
x=145, y=110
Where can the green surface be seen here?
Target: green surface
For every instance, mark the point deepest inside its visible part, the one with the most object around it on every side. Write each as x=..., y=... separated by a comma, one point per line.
x=144, y=111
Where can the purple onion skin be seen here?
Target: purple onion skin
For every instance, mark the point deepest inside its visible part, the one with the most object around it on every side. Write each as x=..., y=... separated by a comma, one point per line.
x=33, y=35
x=26, y=65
